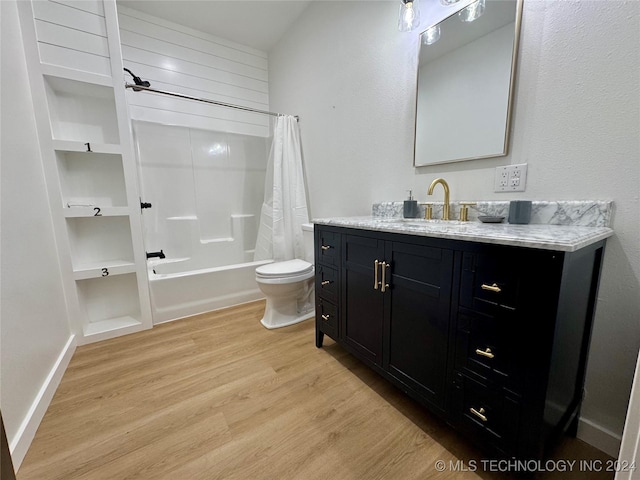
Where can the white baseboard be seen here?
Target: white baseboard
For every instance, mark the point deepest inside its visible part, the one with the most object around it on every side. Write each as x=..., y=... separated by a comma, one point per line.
x=599, y=437
x=23, y=438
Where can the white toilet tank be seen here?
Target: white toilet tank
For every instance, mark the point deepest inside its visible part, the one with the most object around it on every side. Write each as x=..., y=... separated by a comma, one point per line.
x=307, y=233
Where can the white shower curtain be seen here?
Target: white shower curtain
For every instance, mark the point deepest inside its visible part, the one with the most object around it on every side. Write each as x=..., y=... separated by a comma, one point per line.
x=285, y=201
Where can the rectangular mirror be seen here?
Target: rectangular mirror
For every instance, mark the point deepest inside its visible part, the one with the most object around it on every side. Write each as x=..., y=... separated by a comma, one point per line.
x=465, y=85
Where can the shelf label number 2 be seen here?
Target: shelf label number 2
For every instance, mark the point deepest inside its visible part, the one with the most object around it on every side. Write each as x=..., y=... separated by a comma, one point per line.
x=105, y=272
x=97, y=210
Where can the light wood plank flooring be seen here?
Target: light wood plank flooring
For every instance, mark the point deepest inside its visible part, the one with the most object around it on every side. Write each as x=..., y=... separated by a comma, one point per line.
x=217, y=396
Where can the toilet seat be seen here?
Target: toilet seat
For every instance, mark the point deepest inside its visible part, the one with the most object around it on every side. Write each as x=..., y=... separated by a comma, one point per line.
x=284, y=272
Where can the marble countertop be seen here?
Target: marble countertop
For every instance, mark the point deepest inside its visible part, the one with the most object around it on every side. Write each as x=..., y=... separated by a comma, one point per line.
x=548, y=237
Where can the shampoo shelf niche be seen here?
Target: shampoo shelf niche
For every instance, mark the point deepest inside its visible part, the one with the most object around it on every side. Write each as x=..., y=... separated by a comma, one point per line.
x=99, y=240
x=93, y=180
x=103, y=269
x=81, y=111
x=58, y=71
x=109, y=303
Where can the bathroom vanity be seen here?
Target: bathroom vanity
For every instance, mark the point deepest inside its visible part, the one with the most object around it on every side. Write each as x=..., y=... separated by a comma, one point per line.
x=486, y=325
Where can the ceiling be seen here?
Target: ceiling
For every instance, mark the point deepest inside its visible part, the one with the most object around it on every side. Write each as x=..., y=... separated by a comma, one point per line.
x=257, y=24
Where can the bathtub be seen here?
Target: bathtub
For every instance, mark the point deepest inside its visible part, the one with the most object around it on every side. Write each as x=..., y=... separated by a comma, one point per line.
x=176, y=293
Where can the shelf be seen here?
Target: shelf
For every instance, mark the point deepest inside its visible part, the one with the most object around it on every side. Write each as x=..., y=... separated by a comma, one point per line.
x=98, y=240
x=78, y=146
x=91, y=179
x=95, y=211
x=109, y=303
x=77, y=75
x=111, y=324
x=84, y=112
x=104, y=269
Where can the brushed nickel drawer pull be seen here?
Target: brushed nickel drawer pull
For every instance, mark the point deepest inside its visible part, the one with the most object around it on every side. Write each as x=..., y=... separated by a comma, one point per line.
x=375, y=274
x=325, y=282
x=385, y=285
x=479, y=413
x=491, y=288
x=485, y=353
x=325, y=317
x=325, y=247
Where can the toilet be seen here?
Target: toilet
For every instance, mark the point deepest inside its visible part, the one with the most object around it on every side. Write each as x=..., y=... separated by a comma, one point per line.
x=288, y=287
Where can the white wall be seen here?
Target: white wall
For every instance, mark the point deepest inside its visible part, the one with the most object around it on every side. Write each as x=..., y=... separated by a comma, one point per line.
x=33, y=319
x=186, y=61
x=350, y=75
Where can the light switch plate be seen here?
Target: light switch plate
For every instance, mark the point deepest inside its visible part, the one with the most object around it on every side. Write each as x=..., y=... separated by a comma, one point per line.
x=512, y=178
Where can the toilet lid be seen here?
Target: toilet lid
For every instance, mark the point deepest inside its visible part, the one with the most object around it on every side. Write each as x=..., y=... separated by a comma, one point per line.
x=284, y=269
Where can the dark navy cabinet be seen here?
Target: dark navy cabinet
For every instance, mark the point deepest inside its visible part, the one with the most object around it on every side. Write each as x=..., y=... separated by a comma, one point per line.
x=492, y=338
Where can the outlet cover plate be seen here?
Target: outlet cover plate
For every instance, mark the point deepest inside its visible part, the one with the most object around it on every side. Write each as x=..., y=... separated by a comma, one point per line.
x=511, y=178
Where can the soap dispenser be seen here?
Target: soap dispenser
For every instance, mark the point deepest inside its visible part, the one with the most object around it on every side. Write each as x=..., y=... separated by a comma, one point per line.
x=410, y=207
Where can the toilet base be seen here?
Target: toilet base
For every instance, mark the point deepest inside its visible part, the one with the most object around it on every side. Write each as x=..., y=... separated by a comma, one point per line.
x=285, y=323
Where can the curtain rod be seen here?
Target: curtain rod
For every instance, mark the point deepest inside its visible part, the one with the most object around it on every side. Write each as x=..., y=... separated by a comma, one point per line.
x=137, y=88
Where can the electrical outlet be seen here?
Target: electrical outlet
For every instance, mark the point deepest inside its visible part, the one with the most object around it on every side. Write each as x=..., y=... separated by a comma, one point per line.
x=512, y=178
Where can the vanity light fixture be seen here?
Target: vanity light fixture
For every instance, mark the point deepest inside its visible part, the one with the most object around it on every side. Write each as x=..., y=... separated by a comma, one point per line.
x=472, y=12
x=409, y=15
x=431, y=35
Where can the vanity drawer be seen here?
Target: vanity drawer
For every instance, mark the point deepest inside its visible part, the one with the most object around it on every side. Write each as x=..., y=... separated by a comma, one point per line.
x=327, y=318
x=491, y=348
x=327, y=248
x=487, y=414
x=491, y=282
x=327, y=283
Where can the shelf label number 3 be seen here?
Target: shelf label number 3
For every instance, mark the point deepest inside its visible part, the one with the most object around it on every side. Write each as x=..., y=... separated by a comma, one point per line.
x=105, y=272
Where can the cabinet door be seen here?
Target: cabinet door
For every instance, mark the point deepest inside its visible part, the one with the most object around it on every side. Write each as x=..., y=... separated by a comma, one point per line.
x=362, y=304
x=417, y=312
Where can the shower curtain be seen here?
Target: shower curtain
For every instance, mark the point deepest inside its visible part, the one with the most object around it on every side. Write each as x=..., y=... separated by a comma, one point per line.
x=285, y=201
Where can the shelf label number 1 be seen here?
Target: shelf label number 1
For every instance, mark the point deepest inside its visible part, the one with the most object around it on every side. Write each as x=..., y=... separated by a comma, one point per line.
x=105, y=272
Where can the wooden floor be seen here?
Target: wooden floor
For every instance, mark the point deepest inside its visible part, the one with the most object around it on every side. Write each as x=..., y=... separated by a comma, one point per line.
x=217, y=396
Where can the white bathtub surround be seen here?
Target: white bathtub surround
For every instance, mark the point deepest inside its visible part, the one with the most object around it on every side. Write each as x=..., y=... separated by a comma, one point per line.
x=587, y=213
x=284, y=210
x=206, y=189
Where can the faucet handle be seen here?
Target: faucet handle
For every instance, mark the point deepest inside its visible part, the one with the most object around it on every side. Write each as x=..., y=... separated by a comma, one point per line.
x=428, y=210
x=464, y=210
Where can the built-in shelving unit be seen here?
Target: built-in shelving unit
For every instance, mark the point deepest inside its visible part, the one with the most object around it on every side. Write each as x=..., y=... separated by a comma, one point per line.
x=87, y=153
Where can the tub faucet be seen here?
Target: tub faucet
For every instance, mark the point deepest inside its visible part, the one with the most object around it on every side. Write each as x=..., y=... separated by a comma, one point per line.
x=445, y=185
x=159, y=254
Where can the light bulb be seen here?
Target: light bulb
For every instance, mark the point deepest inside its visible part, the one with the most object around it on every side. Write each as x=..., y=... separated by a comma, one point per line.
x=431, y=35
x=409, y=16
x=472, y=12
x=446, y=3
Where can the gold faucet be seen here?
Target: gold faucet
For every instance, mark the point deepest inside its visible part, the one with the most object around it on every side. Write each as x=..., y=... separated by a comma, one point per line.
x=445, y=185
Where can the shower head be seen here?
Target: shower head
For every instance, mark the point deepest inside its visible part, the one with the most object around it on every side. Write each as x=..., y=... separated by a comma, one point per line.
x=138, y=81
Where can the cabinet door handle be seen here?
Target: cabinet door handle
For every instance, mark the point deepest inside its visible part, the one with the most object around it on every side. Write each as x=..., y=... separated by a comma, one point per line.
x=325, y=247
x=385, y=285
x=325, y=317
x=479, y=413
x=485, y=353
x=325, y=282
x=375, y=275
x=491, y=288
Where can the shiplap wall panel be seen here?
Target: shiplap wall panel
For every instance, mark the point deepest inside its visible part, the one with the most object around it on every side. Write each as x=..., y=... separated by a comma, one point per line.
x=68, y=16
x=160, y=29
x=95, y=7
x=181, y=60
x=64, y=57
x=53, y=34
x=72, y=34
